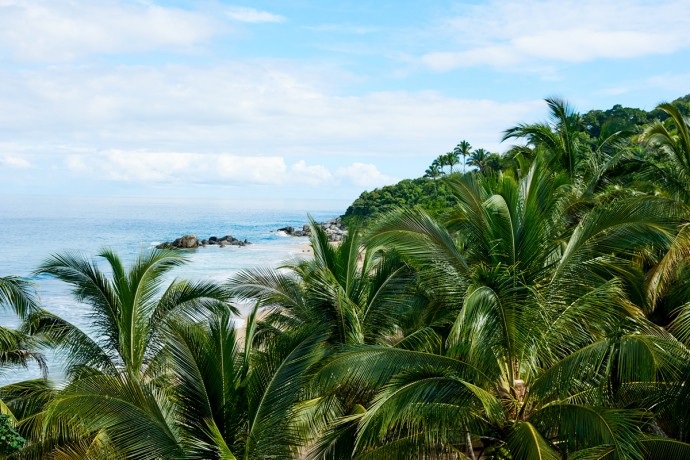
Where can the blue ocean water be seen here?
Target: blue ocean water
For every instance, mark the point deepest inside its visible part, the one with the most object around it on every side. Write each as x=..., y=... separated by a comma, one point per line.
x=32, y=229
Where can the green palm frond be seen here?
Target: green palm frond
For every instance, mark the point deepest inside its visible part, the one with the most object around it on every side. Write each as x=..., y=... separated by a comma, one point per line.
x=663, y=274
x=209, y=371
x=18, y=349
x=425, y=340
x=19, y=295
x=191, y=300
x=430, y=401
x=680, y=326
x=95, y=447
x=91, y=286
x=138, y=418
x=526, y=443
x=273, y=287
x=577, y=427
x=278, y=379
x=675, y=144
x=78, y=350
x=372, y=367
x=665, y=448
x=623, y=229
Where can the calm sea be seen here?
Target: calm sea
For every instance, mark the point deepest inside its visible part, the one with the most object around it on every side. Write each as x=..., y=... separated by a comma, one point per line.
x=31, y=229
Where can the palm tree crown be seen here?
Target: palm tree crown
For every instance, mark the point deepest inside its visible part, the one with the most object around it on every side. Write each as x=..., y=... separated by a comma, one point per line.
x=463, y=148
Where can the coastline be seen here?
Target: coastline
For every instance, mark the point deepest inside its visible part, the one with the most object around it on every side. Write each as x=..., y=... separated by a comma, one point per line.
x=129, y=228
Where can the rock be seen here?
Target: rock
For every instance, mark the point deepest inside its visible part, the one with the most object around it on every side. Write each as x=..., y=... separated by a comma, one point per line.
x=191, y=242
x=186, y=242
x=333, y=228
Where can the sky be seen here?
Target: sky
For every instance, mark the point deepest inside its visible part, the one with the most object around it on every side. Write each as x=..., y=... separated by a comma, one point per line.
x=298, y=100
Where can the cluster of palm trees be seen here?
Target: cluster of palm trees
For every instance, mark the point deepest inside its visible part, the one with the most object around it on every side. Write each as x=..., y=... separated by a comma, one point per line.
x=480, y=158
x=547, y=318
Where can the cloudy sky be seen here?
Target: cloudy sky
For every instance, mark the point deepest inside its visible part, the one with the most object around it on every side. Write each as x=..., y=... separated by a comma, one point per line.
x=299, y=98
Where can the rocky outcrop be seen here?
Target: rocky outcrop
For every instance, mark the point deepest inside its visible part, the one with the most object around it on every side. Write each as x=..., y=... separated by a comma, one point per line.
x=333, y=228
x=192, y=242
x=186, y=242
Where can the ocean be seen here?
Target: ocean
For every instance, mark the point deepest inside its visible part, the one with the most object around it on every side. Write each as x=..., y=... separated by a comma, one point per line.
x=33, y=228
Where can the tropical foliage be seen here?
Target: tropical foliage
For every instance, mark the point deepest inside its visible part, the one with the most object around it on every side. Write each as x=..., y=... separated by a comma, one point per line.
x=16, y=349
x=534, y=307
x=429, y=192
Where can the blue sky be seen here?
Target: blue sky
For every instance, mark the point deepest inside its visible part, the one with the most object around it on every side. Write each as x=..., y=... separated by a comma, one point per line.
x=303, y=99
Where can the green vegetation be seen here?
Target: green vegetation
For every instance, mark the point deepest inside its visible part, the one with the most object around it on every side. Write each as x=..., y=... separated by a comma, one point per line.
x=593, y=130
x=542, y=311
x=10, y=440
x=433, y=195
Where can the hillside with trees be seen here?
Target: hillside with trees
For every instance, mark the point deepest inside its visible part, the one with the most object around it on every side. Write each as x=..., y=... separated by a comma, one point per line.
x=431, y=193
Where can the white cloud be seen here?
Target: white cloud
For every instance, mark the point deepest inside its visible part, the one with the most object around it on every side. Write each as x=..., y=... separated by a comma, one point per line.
x=257, y=170
x=171, y=167
x=14, y=161
x=251, y=15
x=62, y=31
x=512, y=33
x=271, y=125
x=257, y=108
x=310, y=175
x=181, y=167
x=365, y=175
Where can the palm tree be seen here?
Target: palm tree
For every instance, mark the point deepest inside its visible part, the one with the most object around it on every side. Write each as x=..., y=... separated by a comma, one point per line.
x=129, y=310
x=441, y=161
x=452, y=158
x=116, y=372
x=546, y=352
x=353, y=296
x=478, y=158
x=667, y=170
x=434, y=172
x=463, y=148
x=561, y=139
x=345, y=289
x=674, y=145
x=234, y=398
x=16, y=349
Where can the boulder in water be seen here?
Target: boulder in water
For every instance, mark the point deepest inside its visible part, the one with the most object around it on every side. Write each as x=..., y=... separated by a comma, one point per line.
x=192, y=242
x=186, y=242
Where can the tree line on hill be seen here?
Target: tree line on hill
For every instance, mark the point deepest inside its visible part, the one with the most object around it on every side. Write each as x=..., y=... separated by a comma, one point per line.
x=433, y=196
x=543, y=314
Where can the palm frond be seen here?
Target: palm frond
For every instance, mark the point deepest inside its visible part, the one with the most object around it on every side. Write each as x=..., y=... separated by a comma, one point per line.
x=78, y=350
x=19, y=295
x=526, y=443
x=137, y=417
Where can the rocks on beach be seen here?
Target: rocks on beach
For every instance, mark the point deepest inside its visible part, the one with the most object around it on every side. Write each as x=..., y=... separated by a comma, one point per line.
x=192, y=242
x=333, y=228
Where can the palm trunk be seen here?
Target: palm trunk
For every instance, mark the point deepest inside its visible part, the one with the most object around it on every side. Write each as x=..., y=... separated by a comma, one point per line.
x=470, y=449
